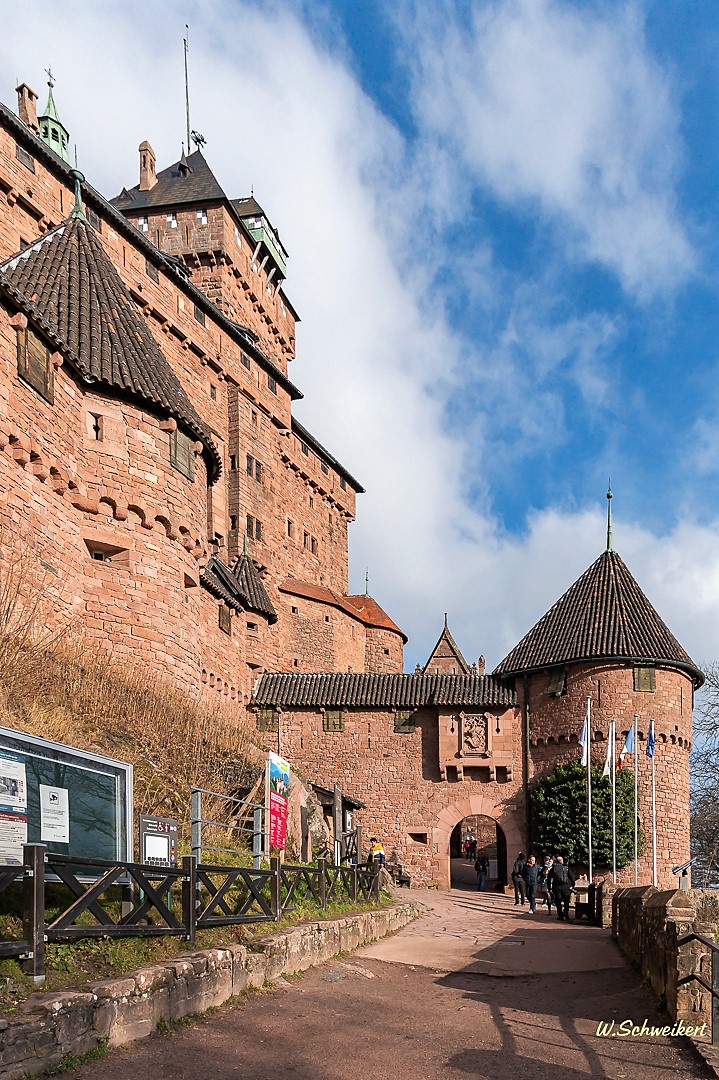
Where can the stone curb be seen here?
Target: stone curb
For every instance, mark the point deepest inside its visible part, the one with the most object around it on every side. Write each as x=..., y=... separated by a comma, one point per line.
x=50, y=1026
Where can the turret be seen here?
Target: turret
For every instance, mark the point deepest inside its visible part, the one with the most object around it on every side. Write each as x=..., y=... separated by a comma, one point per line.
x=52, y=130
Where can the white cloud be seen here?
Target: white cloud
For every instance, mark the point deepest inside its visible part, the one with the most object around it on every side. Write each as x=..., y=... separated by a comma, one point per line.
x=561, y=108
x=361, y=214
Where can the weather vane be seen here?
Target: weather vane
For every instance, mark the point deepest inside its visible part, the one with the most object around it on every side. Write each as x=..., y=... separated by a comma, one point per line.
x=198, y=140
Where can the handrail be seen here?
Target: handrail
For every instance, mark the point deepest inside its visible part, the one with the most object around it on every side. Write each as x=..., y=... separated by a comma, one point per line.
x=699, y=937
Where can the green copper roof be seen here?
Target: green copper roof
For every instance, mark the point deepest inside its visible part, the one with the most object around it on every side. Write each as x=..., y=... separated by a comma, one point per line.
x=52, y=131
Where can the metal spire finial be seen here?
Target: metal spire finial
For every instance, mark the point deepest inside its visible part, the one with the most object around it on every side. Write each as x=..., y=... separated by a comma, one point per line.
x=366, y=582
x=610, y=534
x=50, y=77
x=77, y=210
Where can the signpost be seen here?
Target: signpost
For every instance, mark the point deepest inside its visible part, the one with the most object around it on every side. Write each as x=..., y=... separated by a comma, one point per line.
x=158, y=841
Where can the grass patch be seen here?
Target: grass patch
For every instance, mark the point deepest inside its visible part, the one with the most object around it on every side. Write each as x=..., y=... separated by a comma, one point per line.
x=76, y=1061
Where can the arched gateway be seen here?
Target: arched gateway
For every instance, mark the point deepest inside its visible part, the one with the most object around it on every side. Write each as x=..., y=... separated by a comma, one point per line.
x=507, y=819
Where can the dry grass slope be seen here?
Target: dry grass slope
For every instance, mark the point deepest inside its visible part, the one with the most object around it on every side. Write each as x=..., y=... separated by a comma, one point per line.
x=55, y=684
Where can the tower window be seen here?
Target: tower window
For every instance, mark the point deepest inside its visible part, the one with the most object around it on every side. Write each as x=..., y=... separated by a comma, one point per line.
x=142, y=223
x=343, y=483
x=199, y=315
x=182, y=453
x=151, y=270
x=202, y=217
x=304, y=447
x=225, y=619
x=245, y=360
x=34, y=365
x=24, y=158
x=644, y=679
x=290, y=528
x=272, y=383
x=557, y=684
x=172, y=221
x=325, y=468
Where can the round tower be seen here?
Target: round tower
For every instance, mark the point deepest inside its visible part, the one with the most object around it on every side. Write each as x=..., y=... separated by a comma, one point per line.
x=605, y=642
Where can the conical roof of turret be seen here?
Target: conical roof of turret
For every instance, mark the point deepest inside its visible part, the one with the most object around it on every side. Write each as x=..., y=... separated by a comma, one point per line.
x=604, y=615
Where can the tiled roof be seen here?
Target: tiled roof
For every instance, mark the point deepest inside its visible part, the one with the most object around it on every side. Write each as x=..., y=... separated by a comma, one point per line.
x=381, y=691
x=240, y=587
x=363, y=608
x=302, y=433
x=66, y=284
x=604, y=615
x=447, y=647
x=175, y=187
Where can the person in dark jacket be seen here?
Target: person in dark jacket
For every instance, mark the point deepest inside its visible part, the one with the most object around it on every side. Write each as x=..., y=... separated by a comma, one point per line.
x=561, y=882
x=481, y=868
x=518, y=879
x=530, y=880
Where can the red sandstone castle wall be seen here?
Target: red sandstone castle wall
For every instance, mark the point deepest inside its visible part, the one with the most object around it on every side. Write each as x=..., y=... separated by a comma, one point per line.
x=556, y=722
x=397, y=777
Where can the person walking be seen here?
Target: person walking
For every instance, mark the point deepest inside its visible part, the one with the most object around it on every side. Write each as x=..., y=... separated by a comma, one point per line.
x=561, y=882
x=481, y=867
x=543, y=882
x=518, y=879
x=531, y=872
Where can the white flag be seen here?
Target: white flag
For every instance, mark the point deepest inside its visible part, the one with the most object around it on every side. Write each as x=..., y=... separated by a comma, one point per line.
x=607, y=770
x=584, y=740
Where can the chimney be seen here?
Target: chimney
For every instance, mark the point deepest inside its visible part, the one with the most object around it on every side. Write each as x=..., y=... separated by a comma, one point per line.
x=148, y=179
x=26, y=108
x=480, y=666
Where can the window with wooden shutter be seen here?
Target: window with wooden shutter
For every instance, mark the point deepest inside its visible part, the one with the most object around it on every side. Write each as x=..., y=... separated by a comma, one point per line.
x=268, y=719
x=644, y=679
x=182, y=453
x=333, y=720
x=404, y=722
x=34, y=365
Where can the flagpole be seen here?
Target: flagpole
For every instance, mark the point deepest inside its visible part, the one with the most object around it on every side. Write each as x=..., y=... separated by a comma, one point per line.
x=613, y=766
x=654, y=812
x=636, y=819
x=589, y=782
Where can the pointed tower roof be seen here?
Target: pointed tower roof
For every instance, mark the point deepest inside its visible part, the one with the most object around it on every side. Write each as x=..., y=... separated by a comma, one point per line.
x=67, y=286
x=604, y=615
x=446, y=654
x=189, y=180
x=52, y=131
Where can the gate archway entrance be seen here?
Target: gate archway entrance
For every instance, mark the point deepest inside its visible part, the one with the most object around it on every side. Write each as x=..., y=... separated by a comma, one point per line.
x=505, y=817
x=472, y=837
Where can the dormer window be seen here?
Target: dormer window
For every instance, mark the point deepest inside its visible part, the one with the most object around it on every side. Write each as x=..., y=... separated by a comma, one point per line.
x=172, y=221
x=557, y=684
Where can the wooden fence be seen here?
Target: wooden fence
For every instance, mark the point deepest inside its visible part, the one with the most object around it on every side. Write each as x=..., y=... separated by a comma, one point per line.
x=121, y=899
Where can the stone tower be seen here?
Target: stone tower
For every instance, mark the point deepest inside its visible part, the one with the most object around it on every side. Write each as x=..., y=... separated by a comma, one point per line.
x=603, y=640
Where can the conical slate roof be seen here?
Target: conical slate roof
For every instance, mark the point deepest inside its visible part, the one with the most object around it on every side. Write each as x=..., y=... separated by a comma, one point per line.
x=604, y=615
x=67, y=286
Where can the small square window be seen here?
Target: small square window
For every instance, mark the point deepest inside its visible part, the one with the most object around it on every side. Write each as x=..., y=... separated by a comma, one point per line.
x=199, y=315
x=143, y=223
x=172, y=221
x=268, y=719
x=151, y=270
x=304, y=447
x=404, y=722
x=34, y=365
x=213, y=392
x=93, y=218
x=333, y=720
x=325, y=468
x=290, y=528
x=254, y=416
x=245, y=360
x=182, y=453
x=252, y=626
x=645, y=679
x=343, y=483
x=295, y=611
x=202, y=217
x=225, y=619
x=272, y=383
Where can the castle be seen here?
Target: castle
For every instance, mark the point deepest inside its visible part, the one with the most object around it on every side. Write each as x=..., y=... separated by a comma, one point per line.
x=193, y=525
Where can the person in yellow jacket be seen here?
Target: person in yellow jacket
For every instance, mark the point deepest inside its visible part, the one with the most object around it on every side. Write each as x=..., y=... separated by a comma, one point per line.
x=377, y=856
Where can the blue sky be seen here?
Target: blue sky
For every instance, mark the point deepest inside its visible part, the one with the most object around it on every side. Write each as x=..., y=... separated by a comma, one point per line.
x=502, y=226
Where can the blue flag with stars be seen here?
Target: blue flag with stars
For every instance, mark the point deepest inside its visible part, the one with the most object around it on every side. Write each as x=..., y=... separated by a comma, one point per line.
x=650, y=740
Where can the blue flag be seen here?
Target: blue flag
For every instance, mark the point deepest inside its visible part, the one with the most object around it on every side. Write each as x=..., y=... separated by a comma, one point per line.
x=650, y=740
x=628, y=747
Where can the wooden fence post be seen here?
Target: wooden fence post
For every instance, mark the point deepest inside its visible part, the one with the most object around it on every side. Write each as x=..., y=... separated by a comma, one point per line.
x=322, y=867
x=275, y=899
x=33, y=910
x=189, y=897
x=353, y=884
x=375, y=888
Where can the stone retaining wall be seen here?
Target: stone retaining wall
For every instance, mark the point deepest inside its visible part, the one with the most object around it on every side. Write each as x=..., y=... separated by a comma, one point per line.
x=50, y=1026
x=649, y=926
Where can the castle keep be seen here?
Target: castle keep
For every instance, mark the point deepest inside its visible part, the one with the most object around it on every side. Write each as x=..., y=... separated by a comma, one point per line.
x=179, y=510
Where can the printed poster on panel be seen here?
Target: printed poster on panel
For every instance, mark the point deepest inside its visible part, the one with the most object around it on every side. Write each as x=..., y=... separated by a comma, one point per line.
x=13, y=808
x=278, y=784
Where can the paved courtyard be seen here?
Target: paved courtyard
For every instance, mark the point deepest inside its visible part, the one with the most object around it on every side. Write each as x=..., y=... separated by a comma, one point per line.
x=474, y=988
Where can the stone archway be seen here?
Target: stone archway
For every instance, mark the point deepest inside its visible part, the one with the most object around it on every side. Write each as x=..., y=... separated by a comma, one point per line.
x=475, y=805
